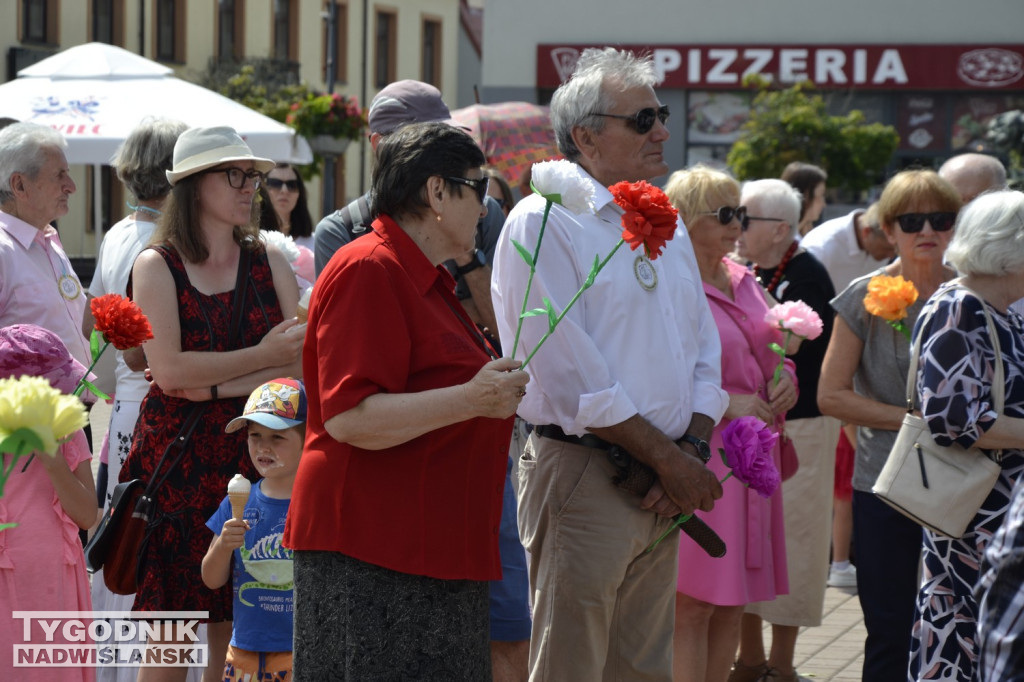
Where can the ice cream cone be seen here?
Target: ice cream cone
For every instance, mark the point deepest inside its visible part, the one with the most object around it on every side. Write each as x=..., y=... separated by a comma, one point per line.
x=238, y=502
x=302, y=312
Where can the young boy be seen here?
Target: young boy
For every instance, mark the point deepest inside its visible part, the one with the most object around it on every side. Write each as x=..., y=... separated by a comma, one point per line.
x=261, y=638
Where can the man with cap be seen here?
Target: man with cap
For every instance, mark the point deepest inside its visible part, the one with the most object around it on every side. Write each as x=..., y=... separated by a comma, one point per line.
x=399, y=104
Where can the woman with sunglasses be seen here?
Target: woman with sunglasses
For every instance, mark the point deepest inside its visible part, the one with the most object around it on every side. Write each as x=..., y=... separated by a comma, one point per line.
x=288, y=197
x=397, y=502
x=712, y=593
x=863, y=383
x=954, y=382
x=204, y=262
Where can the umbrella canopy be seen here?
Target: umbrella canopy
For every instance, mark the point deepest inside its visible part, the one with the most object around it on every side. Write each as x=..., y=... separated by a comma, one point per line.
x=96, y=94
x=513, y=135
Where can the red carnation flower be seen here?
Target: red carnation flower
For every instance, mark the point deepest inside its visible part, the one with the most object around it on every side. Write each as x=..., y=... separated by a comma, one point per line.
x=648, y=216
x=121, y=321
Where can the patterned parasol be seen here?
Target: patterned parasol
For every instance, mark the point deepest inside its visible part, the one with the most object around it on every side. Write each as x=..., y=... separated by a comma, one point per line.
x=513, y=135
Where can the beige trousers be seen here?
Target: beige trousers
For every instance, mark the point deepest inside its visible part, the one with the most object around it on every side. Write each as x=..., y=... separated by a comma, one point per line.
x=603, y=609
x=807, y=509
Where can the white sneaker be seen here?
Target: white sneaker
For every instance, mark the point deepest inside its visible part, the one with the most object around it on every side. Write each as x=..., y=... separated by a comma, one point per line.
x=846, y=577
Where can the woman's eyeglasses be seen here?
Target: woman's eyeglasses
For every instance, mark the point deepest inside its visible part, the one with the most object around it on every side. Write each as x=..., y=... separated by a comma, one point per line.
x=745, y=222
x=725, y=214
x=643, y=120
x=941, y=221
x=238, y=177
x=277, y=184
x=479, y=186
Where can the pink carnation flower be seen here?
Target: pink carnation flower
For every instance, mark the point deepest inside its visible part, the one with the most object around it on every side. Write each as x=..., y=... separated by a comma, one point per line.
x=748, y=452
x=796, y=317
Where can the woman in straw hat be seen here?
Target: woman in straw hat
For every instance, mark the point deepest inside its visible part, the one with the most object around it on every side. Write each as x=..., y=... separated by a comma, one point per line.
x=203, y=359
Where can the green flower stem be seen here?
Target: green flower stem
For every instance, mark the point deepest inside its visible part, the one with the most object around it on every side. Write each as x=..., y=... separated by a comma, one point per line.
x=586, y=285
x=677, y=520
x=900, y=327
x=781, y=352
x=533, y=269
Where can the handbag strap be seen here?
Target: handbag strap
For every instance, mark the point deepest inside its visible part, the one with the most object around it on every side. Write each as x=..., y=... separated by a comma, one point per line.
x=238, y=301
x=180, y=441
x=998, y=384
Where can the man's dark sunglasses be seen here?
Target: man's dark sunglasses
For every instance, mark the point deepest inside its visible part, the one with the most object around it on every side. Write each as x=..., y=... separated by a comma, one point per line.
x=277, y=183
x=479, y=186
x=941, y=221
x=643, y=120
x=745, y=222
x=725, y=214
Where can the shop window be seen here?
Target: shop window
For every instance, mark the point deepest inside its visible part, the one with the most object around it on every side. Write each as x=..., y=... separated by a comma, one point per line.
x=340, y=42
x=431, y=58
x=385, y=48
x=169, y=30
x=230, y=30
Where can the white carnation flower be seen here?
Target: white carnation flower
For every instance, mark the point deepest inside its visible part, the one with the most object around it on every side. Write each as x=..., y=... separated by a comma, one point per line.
x=283, y=242
x=562, y=183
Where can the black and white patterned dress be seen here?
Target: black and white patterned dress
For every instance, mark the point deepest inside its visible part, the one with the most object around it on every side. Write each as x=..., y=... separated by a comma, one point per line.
x=954, y=383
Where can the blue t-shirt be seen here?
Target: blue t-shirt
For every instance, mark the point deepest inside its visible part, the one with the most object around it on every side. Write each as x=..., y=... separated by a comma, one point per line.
x=261, y=575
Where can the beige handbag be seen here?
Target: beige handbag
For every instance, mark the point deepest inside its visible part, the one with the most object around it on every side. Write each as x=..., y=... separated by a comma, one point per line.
x=941, y=488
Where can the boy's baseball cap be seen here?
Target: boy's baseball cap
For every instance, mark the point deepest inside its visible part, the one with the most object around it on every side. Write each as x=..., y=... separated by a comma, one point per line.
x=405, y=102
x=279, y=404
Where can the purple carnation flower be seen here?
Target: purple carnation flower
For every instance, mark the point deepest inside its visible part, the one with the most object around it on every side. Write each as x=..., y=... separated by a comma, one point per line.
x=748, y=452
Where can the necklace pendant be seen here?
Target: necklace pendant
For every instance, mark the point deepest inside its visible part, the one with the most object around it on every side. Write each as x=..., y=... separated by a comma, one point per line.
x=644, y=272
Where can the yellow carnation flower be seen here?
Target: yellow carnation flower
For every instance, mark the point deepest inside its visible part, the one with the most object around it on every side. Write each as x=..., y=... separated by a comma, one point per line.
x=889, y=297
x=31, y=403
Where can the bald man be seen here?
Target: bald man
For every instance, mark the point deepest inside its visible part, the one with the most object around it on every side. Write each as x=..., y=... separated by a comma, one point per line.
x=972, y=174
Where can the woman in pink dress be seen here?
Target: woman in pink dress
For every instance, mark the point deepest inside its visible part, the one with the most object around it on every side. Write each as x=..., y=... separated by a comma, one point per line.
x=42, y=566
x=711, y=592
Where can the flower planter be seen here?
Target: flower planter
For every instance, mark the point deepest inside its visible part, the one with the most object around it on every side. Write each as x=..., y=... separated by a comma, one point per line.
x=325, y=145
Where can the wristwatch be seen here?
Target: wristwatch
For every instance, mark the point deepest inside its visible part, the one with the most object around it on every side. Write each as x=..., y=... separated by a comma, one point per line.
x=703, y=450
x=479, y=260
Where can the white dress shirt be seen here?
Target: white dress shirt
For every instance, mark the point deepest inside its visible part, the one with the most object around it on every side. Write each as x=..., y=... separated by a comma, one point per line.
x=834, y=243
x=622, y=349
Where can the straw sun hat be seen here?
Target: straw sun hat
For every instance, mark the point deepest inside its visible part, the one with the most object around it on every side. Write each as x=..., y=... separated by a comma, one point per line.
x=200, y=148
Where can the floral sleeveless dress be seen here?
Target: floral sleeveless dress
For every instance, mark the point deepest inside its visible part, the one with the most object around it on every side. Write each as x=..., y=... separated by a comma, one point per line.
x=171, y=558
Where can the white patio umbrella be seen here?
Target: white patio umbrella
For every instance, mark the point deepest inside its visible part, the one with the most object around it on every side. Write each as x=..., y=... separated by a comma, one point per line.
x=96, y=94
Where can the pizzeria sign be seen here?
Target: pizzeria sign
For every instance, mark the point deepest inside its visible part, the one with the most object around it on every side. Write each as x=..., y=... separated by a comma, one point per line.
x=869, y=67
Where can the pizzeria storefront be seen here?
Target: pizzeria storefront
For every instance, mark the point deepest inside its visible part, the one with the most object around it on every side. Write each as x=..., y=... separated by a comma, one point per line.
x=938, y=97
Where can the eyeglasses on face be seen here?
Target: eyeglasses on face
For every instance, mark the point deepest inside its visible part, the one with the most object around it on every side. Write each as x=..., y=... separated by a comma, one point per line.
x=941, y=221
x=725, y=214
x=479, y=186
x=237, y=177
x=643, y=120
x=277, y=184
x=745, y=222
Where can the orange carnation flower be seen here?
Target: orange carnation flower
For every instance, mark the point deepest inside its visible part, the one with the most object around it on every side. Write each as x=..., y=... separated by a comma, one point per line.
x=648, y=216
x=889, y=297
x=121, y=321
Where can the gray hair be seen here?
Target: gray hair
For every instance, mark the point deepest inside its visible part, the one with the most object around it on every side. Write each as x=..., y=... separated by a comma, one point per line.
x=989, y=236
x=577, y=100
x=22, y=150
x=144, y=157
x=778, y=199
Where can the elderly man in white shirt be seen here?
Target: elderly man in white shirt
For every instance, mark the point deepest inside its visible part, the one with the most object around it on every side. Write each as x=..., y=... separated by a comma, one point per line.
x=850, y=246
x=635, y=363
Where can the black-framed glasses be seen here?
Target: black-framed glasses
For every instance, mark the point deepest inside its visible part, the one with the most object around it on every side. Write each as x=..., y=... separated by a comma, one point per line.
x=643, y=120
x=941, y=221
x=479, y=185
x=745, y=222
x=725, y=214
x=278, y=183
x=238, y=177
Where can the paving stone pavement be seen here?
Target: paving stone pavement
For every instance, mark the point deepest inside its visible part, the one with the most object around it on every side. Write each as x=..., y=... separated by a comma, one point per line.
x=833, y=651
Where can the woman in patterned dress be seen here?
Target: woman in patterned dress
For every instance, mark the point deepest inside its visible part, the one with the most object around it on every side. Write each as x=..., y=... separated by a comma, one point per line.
x=954, y=383
x=863, y=382
x=185, y=284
